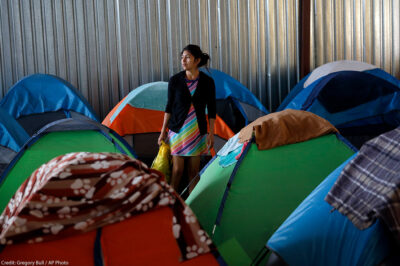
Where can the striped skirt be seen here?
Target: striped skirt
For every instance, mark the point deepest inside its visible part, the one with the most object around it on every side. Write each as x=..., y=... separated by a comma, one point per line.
x=188, y=141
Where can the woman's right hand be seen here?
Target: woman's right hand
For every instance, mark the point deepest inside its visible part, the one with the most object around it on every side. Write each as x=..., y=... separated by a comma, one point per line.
x=162, y=137
x=164, y=131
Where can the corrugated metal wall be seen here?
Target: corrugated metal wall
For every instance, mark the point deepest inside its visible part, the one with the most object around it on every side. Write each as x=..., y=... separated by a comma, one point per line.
x=363, y=30
x=107, y=48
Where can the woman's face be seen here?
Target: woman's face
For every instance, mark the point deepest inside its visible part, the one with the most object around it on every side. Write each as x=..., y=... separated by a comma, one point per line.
x=188, y=61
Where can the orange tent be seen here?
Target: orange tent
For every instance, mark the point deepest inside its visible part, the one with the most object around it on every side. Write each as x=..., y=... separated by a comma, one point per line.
x=139, y=118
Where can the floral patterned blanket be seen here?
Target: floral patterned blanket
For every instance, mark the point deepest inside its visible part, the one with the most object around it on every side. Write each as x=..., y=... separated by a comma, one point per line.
x=79, y=192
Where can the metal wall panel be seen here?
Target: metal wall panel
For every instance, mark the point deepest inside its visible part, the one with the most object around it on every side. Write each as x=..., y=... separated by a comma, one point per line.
x=363, y=30
x=106, y=48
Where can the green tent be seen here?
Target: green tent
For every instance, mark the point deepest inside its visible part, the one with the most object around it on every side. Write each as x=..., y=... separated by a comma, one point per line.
x=57, y=138
x=241, y=202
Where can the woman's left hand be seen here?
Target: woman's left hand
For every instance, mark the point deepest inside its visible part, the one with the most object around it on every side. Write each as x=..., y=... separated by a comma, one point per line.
x=210, y=141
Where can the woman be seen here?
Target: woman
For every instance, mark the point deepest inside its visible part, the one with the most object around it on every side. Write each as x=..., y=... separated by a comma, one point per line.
x=189, y=93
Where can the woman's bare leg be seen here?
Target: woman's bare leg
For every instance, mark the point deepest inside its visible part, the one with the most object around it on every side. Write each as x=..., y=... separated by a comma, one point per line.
x=193, y=170
x=178, y=164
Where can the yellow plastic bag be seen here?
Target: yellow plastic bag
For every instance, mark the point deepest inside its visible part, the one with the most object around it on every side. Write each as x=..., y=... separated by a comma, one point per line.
x=162, y=162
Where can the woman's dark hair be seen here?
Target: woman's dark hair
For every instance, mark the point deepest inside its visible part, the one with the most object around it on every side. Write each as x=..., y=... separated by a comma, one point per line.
x=197, y=53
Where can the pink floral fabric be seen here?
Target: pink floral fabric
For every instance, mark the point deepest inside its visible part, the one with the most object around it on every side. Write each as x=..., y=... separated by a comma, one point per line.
x=79, y=192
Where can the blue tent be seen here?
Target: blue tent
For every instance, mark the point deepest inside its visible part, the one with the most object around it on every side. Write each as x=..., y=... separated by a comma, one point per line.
x=359, y=99
x=234, y=98
x=314, y=235
x=39, y=99
x=12, y=138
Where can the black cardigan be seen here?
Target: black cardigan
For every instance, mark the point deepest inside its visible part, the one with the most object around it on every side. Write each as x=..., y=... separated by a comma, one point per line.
x=179, y=100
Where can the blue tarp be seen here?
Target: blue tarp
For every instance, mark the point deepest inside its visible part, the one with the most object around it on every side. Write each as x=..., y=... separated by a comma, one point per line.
x=41, y=93
x=314, y=235
x=12, y=135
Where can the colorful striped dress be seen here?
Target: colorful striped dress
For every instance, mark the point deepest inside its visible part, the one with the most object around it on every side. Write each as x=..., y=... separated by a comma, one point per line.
x=188, y=141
